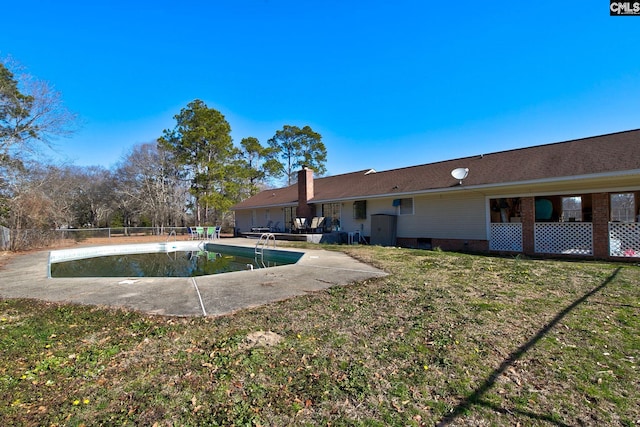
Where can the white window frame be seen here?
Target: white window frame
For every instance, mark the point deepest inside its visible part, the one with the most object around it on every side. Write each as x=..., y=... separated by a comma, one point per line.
x=400, y=210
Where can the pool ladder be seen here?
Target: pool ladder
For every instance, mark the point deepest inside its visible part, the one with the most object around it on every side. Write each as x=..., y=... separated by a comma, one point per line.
x=175, y=238
x=263, y=243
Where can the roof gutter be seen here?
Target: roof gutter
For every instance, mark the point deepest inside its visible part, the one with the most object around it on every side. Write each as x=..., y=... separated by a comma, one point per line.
x=278, y=205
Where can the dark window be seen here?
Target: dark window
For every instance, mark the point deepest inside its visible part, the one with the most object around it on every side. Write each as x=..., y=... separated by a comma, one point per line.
x=360, y=209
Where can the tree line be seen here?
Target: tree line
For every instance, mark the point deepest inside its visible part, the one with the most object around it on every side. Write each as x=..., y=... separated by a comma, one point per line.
x=192, y=174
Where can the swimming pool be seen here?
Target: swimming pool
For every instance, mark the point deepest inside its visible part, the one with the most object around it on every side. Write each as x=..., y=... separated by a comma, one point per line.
x=170, y=259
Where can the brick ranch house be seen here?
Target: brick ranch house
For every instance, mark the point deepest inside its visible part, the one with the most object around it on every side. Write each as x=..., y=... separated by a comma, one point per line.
x=574, y=198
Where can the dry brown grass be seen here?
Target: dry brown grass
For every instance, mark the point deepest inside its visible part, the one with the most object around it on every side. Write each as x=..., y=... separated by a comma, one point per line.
x=447, y=339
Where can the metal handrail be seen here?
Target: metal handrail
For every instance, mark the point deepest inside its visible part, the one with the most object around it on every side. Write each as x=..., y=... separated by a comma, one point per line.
x=261, y=244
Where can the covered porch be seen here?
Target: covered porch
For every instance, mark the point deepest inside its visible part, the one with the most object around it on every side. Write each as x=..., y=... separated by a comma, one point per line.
x=600, y=225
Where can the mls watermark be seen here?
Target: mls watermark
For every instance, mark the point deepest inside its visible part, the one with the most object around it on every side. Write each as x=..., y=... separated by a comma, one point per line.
x=624, y=8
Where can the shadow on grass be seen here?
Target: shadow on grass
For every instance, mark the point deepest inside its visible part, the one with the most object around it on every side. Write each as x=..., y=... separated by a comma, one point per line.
x=476, y=397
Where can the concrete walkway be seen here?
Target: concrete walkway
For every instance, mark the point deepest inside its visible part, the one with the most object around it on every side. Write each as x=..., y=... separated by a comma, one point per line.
x=25, y=276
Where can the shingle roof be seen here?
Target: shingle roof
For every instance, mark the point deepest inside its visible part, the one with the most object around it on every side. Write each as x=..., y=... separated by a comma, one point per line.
x=595, y=155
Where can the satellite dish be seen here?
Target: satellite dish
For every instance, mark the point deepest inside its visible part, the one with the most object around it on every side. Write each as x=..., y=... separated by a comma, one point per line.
x=460, y=174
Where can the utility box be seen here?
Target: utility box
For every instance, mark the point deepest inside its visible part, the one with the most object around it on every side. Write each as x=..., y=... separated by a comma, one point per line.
x=383, y=229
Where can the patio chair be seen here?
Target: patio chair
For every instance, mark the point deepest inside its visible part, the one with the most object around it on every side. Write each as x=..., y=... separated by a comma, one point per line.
x=193, y=234
x=299, y=225
x=200, y=232
x=316, y=224
x=213, y=233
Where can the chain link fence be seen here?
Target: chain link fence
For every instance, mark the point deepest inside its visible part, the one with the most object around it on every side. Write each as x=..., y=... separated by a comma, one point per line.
x=86, y=233
x=17, y=240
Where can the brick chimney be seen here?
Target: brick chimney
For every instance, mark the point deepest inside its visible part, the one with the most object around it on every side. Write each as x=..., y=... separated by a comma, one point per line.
x=305, y=193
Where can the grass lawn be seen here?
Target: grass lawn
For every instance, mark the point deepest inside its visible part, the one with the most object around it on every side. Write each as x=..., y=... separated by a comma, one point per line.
x=448, y=339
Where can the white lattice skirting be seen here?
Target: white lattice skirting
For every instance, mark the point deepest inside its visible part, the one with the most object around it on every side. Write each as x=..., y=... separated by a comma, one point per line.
x=506, y=237
x=571, y=238
x=624, y=239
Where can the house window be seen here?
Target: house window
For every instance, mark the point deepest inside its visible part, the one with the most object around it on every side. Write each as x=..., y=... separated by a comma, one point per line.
x=405, y=206
x=360, y=209
x=331, y=213
x=623, y=207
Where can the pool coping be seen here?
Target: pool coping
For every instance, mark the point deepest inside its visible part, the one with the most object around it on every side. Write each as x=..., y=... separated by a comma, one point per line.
x=26, y=276
x=86, y=252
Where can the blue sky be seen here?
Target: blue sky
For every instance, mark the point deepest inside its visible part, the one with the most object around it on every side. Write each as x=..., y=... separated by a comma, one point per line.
x=388, y=84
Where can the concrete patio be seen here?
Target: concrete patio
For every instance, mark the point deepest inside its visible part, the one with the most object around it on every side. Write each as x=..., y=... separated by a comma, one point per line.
x=25, y=276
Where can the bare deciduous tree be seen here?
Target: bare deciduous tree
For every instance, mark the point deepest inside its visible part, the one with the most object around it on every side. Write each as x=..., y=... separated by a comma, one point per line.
x=149, y=180
x=31, y=114
x=31, y=111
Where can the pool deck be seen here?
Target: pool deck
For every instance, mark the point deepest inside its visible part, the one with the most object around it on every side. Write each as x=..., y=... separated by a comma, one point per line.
x=25, y=276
